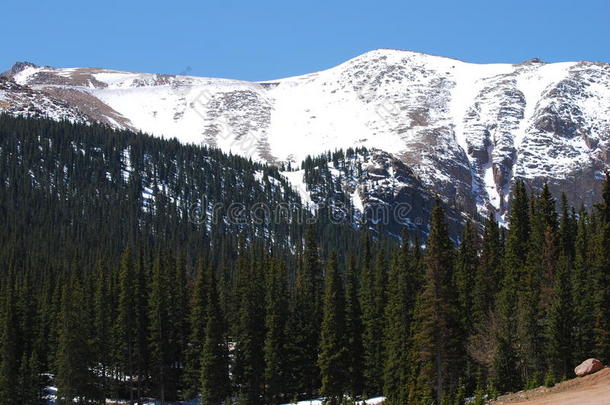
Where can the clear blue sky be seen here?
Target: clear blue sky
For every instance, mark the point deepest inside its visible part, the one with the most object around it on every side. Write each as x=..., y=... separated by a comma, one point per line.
x=260, y=40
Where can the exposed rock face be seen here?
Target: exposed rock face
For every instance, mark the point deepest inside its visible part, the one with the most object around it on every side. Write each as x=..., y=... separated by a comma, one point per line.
x=23, y=100
x=587, y=367
x=392, y=193
x=466, y=131
x=376, y=190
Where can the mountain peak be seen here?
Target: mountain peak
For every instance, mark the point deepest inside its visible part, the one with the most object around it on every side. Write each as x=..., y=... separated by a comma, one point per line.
x=533, y=61
x=467, y=130
x=19, y=67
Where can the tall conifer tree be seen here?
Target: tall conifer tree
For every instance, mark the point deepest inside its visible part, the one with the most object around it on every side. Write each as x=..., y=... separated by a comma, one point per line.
x=215, y=383
x=354, y=329
x=276, y=304
x=602, y=270
x=397, y=328
x=333, y=340
x=198, y=321
x=437, y=339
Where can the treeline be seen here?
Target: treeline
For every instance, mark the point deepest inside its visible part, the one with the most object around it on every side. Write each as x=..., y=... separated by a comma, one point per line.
x=504, y=311
x=81, y=191
x=107, y=290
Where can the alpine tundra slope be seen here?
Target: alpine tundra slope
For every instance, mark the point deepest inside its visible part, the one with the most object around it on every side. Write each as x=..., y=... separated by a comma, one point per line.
x=466, y=130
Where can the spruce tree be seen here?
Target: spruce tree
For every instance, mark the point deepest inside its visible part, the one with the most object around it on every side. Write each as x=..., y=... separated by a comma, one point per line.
x=505, y=358
x=9, y=349
x=75, y=379
x=568, y=227
x=249, y=333
x=488, y=274
x=437, y=339
x=103, y=322
x=354, y=330
x=179, y=318
x=333, y=341
x=159, y=328
x=560, y=324
x=29, y=381
x=582, y=279
x=126, y=320
x=142, y=355
x=198, y=320
x=215, y=383
x=303, y=324
x=276, y=304
x=518, y=237
x=504, y=364
x=397, y=328
x=373, y=300
x=602, y=278
x=465, y=273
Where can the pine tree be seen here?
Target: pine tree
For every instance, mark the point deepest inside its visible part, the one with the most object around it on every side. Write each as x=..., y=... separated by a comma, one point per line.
x=142, y=354
x=304, y=323
x=602, y=278
x=505, y=362
x=198, y=321
x=560, y=324
x=126, y=319
x=397, y=328
x=373, y=300
x=551, y=250
x=464, y=278
x=488, y=275
x=354, y=330
x=567, y=230
x=179, y=307
x=505, y=358
x=215, y=383
x=275, y=324
x=29, y=384
x=437, y=345
x=582, y=279
x=518, y=237
x=528, y=290
x=103, y=327
x=159, y=328
x=249, y=333
x=9, y=349
x=333, y=343
x=75, y=379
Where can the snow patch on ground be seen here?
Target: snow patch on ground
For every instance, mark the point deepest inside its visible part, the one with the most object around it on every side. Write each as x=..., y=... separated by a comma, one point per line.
x=320, y=401
x=297, y=180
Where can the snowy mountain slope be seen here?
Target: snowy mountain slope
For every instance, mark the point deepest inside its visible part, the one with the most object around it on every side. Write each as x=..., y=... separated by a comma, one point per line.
x=466, y=130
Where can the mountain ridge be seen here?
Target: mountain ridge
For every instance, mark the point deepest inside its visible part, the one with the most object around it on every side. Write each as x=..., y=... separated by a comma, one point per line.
x=467, y=130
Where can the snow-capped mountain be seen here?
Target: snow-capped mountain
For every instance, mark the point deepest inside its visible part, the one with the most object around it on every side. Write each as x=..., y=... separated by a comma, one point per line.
x=466, y=130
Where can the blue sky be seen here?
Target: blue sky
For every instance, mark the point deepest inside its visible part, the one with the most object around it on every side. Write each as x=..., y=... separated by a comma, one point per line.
x=260, y=40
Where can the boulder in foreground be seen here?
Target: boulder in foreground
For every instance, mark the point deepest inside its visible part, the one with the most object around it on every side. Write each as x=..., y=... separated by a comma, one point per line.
x=587, y=367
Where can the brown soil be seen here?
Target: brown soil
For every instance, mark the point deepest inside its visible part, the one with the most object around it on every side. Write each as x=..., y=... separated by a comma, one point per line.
x=590, y=390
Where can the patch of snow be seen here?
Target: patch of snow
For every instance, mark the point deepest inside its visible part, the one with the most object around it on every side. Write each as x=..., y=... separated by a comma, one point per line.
x=532, y=81
x=296, y=178
x=357, y=201
x=320, y=401
x=23, y=76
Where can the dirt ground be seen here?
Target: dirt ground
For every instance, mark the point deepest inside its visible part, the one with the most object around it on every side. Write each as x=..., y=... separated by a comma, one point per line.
x=590, y=390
